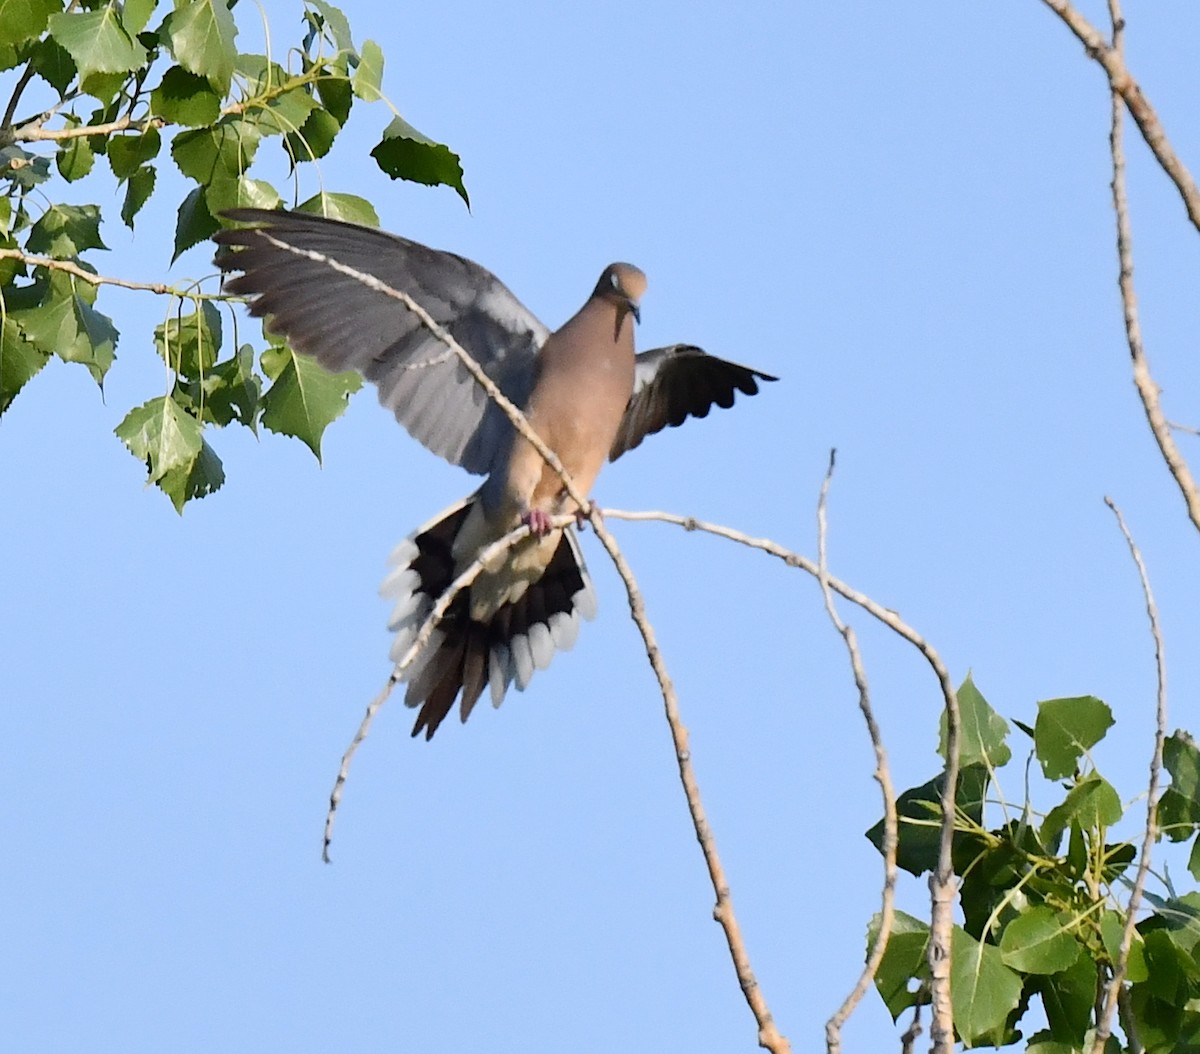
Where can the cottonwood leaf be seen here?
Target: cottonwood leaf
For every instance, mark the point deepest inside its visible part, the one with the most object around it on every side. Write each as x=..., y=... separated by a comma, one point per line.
x=338, y=24
x=1039, y=941
x=22, y=20
x=185, y=98
x=128, y=152
x=64, y=231
x=1068, y=998
x=1112, y=930
x=1091, y=804
x=197, y=479
x=20, y=361
x=229, y=392
x=202, y=34
x=983, y=733
x=368, y=77
x=162, y=434
x=194, y=223
x=98, y=42
x=904, y=964
x=404, y=153
x=983, y=991
x=1065, y=729
x=52, y=62
x=303, y=399
x=189, y=343
x=75, y=157
x=137, y=192
x=346, y=207
x=315, y=137
x=223, y=149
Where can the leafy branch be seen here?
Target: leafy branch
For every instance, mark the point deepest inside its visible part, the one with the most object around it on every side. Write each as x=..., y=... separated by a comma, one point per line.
x=129, y=91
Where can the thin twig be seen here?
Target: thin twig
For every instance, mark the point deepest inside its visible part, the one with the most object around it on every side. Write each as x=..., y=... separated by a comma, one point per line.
x=913, y=1032
x=34, y=133
x=72, y=268
x=887, y=910
x=1125, y=90
x=427, y=627
x=15, y=98
x=1117, y=983
x=768, y=1035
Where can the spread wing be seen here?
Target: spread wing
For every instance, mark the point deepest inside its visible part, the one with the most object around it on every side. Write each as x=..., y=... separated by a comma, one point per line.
x=674, y=383
x=290, y=267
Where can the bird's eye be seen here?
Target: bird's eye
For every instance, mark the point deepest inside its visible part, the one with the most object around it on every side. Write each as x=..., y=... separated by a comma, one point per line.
x=614, y=280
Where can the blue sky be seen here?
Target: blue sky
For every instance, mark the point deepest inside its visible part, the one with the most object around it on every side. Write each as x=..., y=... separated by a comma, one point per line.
x=904, y=213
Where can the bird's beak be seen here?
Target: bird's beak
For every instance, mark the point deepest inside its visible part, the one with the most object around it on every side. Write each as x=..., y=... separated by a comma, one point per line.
x=636, y=312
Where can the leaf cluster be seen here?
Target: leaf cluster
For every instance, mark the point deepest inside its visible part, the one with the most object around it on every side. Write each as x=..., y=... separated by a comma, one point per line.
x=1043, y=919
x=134, y=87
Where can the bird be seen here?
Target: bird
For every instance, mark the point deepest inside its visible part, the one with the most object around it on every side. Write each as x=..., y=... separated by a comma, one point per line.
x=581, y=387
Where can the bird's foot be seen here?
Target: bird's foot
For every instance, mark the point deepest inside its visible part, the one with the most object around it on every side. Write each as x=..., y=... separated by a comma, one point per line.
x=583, y=515
x=538, y=521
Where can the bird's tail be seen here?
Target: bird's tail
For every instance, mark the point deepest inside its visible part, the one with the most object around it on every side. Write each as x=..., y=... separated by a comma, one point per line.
x=465, y=654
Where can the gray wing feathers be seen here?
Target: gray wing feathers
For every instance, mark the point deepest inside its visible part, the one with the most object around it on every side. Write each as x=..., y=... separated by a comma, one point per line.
x=345, y=324
x=680, y=381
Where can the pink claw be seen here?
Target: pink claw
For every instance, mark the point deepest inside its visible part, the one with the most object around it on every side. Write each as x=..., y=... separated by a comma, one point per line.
x=582, y=515
x=538, y=522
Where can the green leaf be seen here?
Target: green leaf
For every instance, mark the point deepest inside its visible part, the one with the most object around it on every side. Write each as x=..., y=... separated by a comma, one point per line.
x=1179, y=807
x=103, y=87
x=1041, y=1043
x=304, y=399
x=65, y=231
x=1065, y=729
x=242, y=192
x=135, y=14
x=983, y=991
x=127, y=153
x=20, y=361
x=404, y=153
x=982, y=731
x=74, y=158
x=162, y=434
x=223, y=149
x=194, y=224
x=59, y=319
x=1039, y=940
x=185, y=98
x=334, y=90
x=197, y=479
x=98, y=42
x=201, y=34
x=287, y=112
x=1068, y=998
x=262, y=77
x=189, y=343
x=1172, y=974
x=52, y=62
x=1193, y=864
x=229, y=392
x=1090, y=805
x=137, y=192
x=920, y=811
x=315, y=139
x=1112, y=929
x=345, y=207
x=904, y=964
x=369, y=76
x=339, y=26
x=22, y=20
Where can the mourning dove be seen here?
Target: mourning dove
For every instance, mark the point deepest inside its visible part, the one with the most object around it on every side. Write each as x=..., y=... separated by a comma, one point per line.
x=581, y=387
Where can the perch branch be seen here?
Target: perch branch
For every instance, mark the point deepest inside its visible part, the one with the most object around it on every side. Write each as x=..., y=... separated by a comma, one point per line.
x=887, y=909
x=769, y=1036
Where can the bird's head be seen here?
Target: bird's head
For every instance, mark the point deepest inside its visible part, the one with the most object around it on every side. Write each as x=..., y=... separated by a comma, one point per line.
x=622, y=284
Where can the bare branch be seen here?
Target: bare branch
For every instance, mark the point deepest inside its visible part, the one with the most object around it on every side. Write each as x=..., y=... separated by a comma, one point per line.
x=1121, y=80
x=1117, y=982
x=887, y=910
x=941, y=882
x=1125, y=90
x=72, y=268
